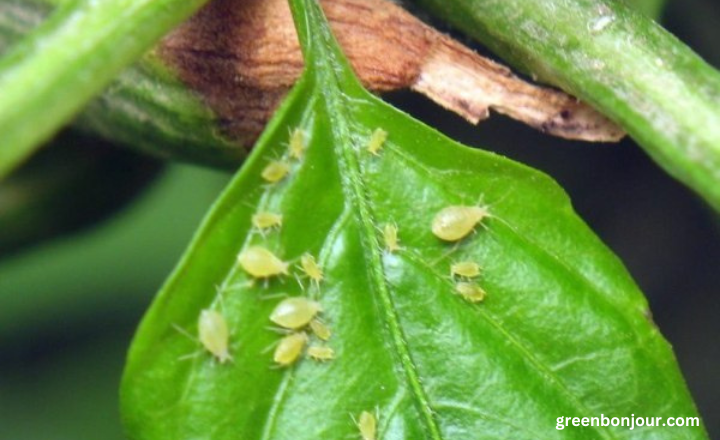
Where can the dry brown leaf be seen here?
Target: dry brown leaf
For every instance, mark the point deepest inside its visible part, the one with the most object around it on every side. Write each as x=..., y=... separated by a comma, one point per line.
x=243, y=56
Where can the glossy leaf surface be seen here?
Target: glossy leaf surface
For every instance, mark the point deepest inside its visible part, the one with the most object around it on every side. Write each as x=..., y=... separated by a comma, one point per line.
x=563, y=331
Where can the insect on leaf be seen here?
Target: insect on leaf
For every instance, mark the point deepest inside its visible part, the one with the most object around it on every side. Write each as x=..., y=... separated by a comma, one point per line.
x=562, y=330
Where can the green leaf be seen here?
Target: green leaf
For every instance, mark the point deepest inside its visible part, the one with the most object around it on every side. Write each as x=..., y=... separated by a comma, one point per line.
x=48, y=76
x=563, y=331
x=622, y=62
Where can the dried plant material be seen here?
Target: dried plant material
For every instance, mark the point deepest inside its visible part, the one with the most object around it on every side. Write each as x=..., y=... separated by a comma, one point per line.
x=243, y=56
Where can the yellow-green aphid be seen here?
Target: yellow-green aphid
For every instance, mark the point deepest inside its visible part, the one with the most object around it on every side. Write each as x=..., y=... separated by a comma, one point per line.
x=295, y=312
x=465, y=269
x=275, y=171
x=266, y=220
x=261, y=263
x=367, y=424
x=311, y=268
x=470, y=291
x=377, y=139
x=297, y=144
x=290, y=348
x=214, y=335
x=321, y=330
x=455, y=222
x=390, y=236
x=321, y=353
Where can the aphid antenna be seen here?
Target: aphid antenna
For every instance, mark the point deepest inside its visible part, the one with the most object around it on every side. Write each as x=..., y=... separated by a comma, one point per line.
x=488, y=206
x=187, y=357
x=185, y=333
x=272, y=345
x=445, y=254
x=247, y=204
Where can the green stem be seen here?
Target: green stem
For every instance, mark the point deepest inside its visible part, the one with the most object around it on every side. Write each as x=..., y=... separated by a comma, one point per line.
x=47, y=77
x=660, y=91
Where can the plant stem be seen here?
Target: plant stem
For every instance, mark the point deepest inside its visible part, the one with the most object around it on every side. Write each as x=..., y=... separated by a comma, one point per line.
x=659, y=90
x=47, y=77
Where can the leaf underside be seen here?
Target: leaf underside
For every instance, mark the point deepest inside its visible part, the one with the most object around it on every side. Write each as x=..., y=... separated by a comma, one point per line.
x=563, y=331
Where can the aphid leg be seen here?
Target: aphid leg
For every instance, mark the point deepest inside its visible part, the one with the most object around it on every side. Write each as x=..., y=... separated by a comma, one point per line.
x=184, y=332
x=302, y=286
x=240, y=286
x=445, y=254
x=187, y=357
x=269, y=296
x=278, y=330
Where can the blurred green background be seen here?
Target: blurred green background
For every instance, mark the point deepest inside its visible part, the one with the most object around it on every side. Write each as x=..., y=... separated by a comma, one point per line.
x=68, y=307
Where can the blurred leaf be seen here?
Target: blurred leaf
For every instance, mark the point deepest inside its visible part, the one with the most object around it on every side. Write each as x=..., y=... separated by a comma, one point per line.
x=563, y=332
x=115, y=266
x=74, y=182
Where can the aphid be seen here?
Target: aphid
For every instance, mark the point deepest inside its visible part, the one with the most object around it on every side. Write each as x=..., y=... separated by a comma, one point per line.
x=470, y=291
x=455, y=222
x=275, y=171
x=214, y=335
x=321, y=330
x=390, y=236
x=266, y=220
x=465, y=269
x=377, y=139
x=311, y=268
x=320, y=353
x=297, y=143
x=295, y=312
x=290, y=348
x=367, y=426
x=261, y=263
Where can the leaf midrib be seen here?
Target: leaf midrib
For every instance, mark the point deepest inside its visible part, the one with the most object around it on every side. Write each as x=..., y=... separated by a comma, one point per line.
x=337, y=105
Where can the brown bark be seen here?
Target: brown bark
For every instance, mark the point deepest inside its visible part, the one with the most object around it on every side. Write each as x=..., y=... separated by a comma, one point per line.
x=243, y=56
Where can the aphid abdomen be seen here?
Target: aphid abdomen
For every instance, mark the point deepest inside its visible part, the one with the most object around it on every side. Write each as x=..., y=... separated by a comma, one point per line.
x=295, y=312
x=390, y=237
x=275, y=171
x=214, y=335
x=321, y=353
x=465, y=269
x=266, y=220
x=367, y=424
x=377, y=139
x=297, y=143
x=455, y=222
x=261, y=263
x=290, y=348
x=311, y=268
x=321, y=330
x=470, y=292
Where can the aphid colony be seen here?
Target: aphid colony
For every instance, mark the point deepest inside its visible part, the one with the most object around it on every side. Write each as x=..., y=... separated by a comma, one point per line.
x=294, y=314
x=297, y=317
